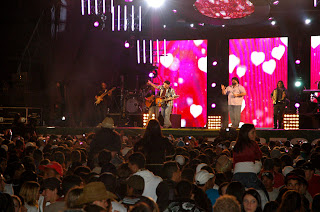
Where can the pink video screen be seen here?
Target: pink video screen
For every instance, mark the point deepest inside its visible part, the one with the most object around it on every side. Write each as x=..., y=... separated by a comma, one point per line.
x=184, y=64
x=259, y=63
x=315, y=62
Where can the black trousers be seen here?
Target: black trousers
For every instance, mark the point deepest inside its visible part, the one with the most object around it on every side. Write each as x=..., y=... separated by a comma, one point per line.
x=278, y=112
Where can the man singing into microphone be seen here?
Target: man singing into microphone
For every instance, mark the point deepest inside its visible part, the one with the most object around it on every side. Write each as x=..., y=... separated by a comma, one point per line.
x=235, y=93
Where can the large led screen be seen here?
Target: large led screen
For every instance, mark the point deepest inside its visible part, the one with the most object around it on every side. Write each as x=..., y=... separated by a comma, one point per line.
x=315, y=62
x=184, y=64
x=259, y=64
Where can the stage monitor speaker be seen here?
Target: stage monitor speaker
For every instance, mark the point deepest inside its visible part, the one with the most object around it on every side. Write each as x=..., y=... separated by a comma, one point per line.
x=175, y=120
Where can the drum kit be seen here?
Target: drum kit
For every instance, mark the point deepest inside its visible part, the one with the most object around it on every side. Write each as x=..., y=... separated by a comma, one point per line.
x=134, y=101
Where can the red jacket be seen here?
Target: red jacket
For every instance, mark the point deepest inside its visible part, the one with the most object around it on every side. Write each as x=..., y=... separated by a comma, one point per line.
x=249, y=153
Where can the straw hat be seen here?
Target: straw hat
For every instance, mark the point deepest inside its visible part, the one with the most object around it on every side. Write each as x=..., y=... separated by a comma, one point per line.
x=95, y=191
x=107, y=123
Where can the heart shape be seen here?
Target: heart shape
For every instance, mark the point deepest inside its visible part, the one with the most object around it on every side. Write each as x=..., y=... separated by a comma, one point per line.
x=167, y=60
x=241, y=71
x=284, y=40
x=202, y=64
x=233, y=62
x=195, y=110
x=175, y=64
x=257, y=58
x=189, y=101
x=315, y=41
x=198, y=42
x=269, y=66
x=277, y=52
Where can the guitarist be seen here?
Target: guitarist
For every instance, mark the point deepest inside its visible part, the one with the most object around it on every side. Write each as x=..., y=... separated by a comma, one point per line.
x=169, y=93
x=103, y=108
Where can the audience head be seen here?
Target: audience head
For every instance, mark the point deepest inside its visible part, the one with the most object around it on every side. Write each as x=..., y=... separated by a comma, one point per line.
x=227, y=203
x=271, y=206
x=236, y=189
x=184, y=189
x=251, y=201
x=137, y=161
x=171, y=171
x=72, y=198
x=30, y=193
x=291, y=201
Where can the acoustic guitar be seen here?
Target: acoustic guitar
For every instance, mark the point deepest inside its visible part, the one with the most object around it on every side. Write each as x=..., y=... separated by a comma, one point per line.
x=149, y=100
x=162, y=102
x=99, y=99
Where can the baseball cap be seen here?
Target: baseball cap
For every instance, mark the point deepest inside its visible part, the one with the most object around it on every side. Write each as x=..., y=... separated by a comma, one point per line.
x=202, y=177
x=286, y=170
x=267, y=174
x=53, y=165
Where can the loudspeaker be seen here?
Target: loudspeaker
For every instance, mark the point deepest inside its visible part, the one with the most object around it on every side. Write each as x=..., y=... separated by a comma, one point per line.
x=175, y=120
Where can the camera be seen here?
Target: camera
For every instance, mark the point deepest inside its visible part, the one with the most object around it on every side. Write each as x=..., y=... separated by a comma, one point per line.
x=189, y=137
x=227, y=129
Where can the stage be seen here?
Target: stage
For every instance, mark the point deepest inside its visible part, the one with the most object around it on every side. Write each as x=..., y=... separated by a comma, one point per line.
x=309, y=134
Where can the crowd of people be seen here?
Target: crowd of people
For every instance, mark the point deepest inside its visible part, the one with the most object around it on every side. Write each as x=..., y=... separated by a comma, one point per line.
x=109, y=171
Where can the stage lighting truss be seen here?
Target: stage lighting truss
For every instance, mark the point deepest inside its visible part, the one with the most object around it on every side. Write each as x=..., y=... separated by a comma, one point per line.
x=214, y=122
x=123, y=17
x=291, y=121
x=150, y=52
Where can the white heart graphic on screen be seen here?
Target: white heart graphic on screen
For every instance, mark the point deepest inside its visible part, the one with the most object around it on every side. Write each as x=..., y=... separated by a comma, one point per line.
x=269, y=66
x=241, y=71
x=284, y=40
x=175, y=64
x=195, y=110
x=243, y=105
x=202, y=64
x=197, y=42
x=257, y=58
x=189, y=101
x=277, y=52
x=233, y=62
x=166, y=61
x=315, y=41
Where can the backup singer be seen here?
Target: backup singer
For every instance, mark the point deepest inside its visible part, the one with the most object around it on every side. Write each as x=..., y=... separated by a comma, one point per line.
x=235, y=93
x=278, y=96
x=167, y=94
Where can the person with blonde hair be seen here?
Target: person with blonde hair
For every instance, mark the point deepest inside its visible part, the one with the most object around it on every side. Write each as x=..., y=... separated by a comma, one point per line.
x=30, y=193
x=227, y=203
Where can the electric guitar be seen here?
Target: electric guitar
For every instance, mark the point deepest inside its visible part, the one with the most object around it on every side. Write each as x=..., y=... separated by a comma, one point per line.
x=162, y=102
x=99, y=99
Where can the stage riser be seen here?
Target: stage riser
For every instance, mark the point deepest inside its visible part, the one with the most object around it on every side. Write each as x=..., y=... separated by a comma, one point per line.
x=310, y=135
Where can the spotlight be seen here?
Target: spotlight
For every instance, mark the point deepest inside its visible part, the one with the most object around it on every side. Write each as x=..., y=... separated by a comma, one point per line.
x=275, y=2
x=126, y=44
x=164, y=26
x=192, y=25
x=174, y=11
x=298, y=83
x=63, y=118
x=297, y=105
x=273, y=23
x=213, y=85
x=223, y=25
x=153, y=74
x=155, y=3
x=213, y=105
x=298, y=62
x=215, y=63
x=201, y=24
x=96, y=24
x=307, y=21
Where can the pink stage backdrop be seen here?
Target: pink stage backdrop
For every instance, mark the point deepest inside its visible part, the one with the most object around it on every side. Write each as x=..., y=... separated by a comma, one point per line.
x=259, y=64
x=315, y=61
x=185, y=66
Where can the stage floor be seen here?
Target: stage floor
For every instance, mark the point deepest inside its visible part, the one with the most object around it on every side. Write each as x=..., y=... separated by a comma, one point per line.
x=310, y=134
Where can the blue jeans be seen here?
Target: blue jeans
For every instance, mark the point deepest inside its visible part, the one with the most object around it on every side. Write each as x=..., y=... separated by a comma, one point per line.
x=166, y=112
x=235, y=114
x=250, y=180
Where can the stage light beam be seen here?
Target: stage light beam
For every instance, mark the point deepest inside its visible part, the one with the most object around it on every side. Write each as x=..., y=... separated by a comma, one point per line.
x=155, y=3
